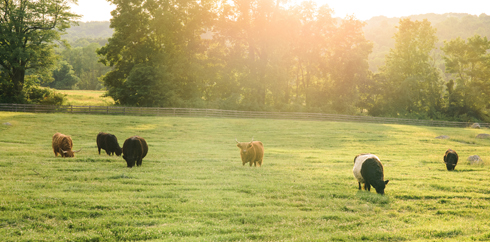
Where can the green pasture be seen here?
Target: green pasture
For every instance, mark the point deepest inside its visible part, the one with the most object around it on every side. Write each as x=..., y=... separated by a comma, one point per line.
x=193, y=187
x=86, y=98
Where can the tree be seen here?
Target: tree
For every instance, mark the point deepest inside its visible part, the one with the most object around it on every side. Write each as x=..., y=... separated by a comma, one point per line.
x=468, y=62
x=155, y=50
x=82, y=56
x=64, y=77
x=411, y=84
x=28, y=30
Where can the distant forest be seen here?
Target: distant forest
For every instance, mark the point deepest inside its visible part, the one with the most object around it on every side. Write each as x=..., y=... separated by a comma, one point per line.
x=380, y=30
x=229, y=79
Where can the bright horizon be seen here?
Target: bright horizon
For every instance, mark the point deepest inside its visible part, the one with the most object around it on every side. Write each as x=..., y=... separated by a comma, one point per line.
x=100, y=10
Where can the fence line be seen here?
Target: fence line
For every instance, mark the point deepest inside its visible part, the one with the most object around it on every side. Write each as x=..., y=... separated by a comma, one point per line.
x=196, y=112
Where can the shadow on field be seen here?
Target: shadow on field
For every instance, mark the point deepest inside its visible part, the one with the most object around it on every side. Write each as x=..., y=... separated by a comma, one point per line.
x=461, y=170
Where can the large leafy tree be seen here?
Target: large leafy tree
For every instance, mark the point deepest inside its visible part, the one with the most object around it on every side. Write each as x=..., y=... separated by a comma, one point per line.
x=28, y=30
x=468, y=93
x=155, y=50
x=410, y=83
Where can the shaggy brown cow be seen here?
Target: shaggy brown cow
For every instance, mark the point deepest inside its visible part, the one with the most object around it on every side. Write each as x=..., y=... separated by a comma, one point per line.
x=63, y=144
x=252, y=152
x=108, y=142
x=134, y=150
x=450, y=159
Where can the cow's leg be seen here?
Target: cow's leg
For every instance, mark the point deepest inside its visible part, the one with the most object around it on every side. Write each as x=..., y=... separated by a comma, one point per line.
x=99, y=150
x=367, y=186
x=359, y=186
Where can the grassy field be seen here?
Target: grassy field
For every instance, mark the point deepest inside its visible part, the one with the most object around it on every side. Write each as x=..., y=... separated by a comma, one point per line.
x=86, y=98
x=193, y=187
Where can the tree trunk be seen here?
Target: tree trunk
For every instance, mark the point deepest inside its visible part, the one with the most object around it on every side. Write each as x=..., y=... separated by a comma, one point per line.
x=18, y=75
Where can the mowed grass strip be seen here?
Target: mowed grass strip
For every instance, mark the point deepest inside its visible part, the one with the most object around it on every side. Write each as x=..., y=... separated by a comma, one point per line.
x=193, y=187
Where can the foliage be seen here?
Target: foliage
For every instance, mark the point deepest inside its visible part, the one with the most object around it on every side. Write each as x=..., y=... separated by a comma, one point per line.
x=29, y=30
x=159, y=41
x=380, y=31
x=63, y=76
x=261, y=56
x=410, y=84
x=82, y=56
x=192, y=186
x=44, y=96
x=468, y=61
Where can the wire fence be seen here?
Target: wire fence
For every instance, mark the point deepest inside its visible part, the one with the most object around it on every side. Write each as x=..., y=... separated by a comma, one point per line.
x=217, y=113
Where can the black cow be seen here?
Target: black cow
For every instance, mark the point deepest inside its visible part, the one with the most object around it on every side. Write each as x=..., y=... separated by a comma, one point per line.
x=109, y=143
x=134, y=150
x=450, y=159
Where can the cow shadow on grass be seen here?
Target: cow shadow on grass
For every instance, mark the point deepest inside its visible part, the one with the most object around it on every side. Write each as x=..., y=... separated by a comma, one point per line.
x=373, y=197
x=461, y=170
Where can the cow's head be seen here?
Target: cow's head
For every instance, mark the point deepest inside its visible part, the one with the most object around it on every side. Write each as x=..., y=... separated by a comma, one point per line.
x=130, y=159
x=245, y=146
x=118, y=151
x=69, y=153
x=380, y=188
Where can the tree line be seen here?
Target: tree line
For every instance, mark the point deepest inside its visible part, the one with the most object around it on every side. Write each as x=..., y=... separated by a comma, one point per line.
x=265, y=55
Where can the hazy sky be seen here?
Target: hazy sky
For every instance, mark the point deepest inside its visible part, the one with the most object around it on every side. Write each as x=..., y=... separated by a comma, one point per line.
x=100, y=10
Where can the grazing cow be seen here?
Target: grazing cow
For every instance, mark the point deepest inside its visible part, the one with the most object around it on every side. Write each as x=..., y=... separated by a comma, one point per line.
x=63, y=144
x=134, y=150
x=109, y=143
x=450, y=159
x=369, y=170
x=252, y=152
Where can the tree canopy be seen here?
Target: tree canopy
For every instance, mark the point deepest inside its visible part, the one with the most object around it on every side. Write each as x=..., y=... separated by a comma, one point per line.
x=260, y=55
x=28, y=30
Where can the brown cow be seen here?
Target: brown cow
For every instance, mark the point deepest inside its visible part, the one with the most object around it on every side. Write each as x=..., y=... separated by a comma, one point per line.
x=63, y=144
x=252, y=152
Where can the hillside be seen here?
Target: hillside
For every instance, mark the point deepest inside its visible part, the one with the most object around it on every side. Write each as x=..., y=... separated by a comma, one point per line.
x=89, y=30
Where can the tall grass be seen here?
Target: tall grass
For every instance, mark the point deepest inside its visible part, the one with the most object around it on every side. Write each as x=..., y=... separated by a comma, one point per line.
x=192, y=186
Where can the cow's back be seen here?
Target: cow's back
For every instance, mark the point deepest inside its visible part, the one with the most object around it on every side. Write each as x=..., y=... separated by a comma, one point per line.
x=101, y=137
x=358, y=163
x=144, y=147
x=135, y=145
x=55, y=142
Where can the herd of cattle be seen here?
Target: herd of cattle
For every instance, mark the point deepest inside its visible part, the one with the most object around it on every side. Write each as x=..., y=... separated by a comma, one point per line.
x=134, y=148
x=367, y=167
